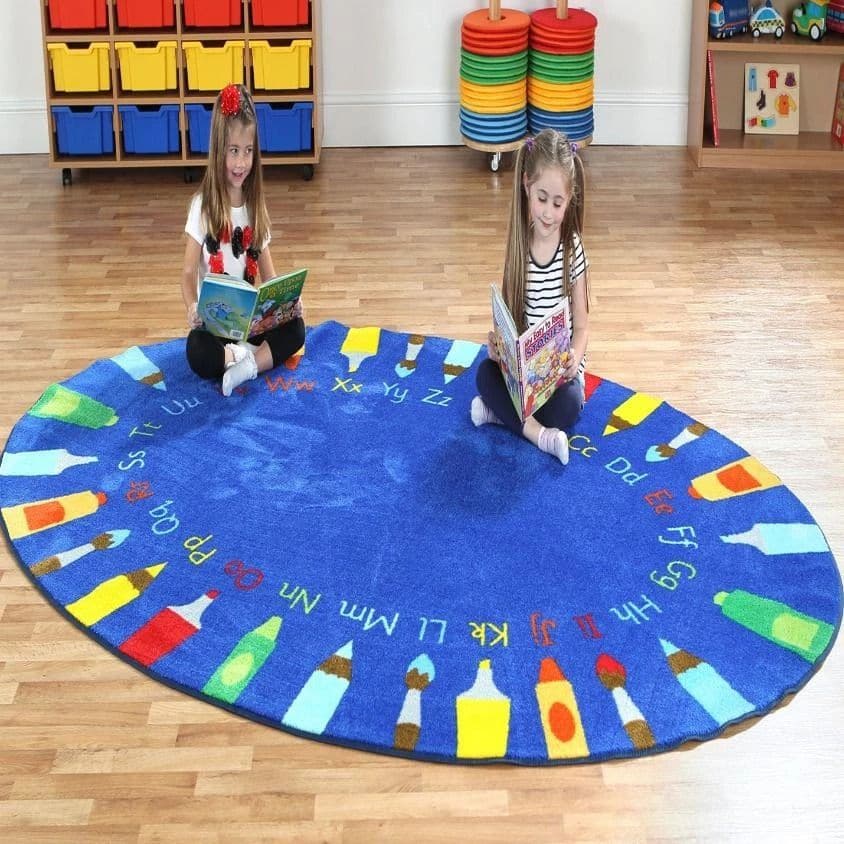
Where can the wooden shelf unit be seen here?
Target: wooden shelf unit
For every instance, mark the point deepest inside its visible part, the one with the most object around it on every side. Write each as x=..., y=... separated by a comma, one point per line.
x=813, y=148
x=181, y=95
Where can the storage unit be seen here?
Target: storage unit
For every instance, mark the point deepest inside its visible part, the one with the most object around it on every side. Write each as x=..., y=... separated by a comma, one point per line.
x=813, y=148
x=84, y=130
x=168, y=59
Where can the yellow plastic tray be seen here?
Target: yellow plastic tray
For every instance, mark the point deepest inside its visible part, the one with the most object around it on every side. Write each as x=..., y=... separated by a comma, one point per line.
x=77, y=69
x=282, y=68
x=147, y=68
x=212, y=68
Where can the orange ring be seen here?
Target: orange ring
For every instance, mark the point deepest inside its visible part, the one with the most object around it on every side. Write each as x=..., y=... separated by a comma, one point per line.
x=484, y=41
x=483, y=91
x=512, y=21
x=484, y=50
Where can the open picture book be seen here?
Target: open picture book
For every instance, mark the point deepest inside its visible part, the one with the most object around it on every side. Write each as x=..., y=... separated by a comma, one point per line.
x=232, y=308
x=532, y=363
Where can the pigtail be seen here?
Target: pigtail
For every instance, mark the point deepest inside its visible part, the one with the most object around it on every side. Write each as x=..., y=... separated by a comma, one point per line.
x=518, y=246
x=573, y=223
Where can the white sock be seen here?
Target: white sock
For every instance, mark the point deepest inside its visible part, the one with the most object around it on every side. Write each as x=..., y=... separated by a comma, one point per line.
x=481, y=414
x=243, y=369
x=554, y=441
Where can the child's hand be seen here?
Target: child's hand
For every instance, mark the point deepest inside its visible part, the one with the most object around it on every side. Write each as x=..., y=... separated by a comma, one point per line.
x=492, y=347
x=572, y=365
x=193, y=316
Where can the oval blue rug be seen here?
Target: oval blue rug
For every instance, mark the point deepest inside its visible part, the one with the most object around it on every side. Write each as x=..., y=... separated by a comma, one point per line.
x=335, y=550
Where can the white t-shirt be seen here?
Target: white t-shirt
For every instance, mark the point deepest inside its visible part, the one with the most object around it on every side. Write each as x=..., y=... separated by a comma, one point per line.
x=195, y=228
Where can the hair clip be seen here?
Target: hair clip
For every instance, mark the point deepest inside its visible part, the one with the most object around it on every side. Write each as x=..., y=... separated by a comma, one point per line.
x=230, y=100
x=573, y=147
x=529, y=143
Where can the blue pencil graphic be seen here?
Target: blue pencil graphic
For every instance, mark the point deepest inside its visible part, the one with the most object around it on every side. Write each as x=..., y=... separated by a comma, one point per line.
x=706, y=685
x=318, y=699
x=460, y=357
x=135, y=363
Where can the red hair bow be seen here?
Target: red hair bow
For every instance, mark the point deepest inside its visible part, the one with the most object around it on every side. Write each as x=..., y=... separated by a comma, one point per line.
x=230, y=100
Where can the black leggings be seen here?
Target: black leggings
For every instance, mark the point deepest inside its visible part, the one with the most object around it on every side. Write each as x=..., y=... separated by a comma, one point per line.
x=207, y=353
x=560, y=411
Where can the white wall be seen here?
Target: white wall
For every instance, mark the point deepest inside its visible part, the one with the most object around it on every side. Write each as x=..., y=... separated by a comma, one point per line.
x=390, y=71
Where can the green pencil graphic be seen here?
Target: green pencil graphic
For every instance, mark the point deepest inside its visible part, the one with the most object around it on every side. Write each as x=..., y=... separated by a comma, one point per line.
x=236, y=671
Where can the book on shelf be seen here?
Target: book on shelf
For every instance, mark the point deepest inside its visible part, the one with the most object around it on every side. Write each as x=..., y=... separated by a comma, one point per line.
x=232, y=308
x=533, y=363
x=711, y=106
x=838, y=108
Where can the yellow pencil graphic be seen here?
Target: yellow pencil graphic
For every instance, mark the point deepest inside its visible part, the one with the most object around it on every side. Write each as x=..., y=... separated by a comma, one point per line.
x=558, y=711
x=737, y=478
x=633, y=410
x=34, y=516
x=360, y=343
x=483, y=718
x=112, y=594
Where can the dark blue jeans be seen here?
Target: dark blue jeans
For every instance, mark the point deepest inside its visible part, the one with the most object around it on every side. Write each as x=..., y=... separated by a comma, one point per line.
x=560, y=411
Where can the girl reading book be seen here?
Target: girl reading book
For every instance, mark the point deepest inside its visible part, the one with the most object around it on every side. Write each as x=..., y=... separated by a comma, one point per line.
x=228, y=231
x=545, y=262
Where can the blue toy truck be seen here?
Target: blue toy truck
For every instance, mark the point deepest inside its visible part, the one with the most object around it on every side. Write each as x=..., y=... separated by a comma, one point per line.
x=728, y=17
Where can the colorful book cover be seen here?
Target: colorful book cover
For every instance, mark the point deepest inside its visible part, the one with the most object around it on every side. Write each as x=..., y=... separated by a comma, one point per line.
x=771, y=98
x=232, y=308
x=838, y=110
x=533, y=363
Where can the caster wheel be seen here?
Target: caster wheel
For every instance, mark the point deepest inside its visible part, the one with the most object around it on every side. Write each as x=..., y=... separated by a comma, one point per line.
x=307, y=172
x=188, y=175
x=495, y=161
x=67, y=176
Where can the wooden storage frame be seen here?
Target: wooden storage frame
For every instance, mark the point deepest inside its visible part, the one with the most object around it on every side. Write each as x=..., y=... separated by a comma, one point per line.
x=181, y=96
x=813, y=148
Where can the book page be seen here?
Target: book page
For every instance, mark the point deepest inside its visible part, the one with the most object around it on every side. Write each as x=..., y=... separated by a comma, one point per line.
x=544, y=350
x=226, y=309
x=277, y=298
x=505, y=329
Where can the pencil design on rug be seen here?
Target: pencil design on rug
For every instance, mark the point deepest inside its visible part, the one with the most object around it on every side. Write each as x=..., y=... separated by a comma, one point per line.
x=460, y=357
x=112, y=594
x=483, y=718
x=52, y=461
x=135, y=363
x=664, y=451
x=631, y=412
x=319, y=698
x=559, y=713
x=420, y=674
x=777, y=622
x=738, y=478
x=236, y=671
x=101, y=542
x=295, y=359
x=613, y=675
x=35, y=516
x=773, y=538
x=360, y=344
x=66, y=405
x=720, y=700
x=167, y=629
x=408, y=365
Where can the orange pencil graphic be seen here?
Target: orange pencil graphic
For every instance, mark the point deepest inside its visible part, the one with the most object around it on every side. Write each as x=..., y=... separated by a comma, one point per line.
x=112, y=594
x=295, y=359
x=34, y=516
x=737, y=478
x=360, y=343
x=631, y=412
x=613, y=676
x=559, y=713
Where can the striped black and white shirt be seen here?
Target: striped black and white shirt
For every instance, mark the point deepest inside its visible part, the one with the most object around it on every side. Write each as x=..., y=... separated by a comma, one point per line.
x=544, y=288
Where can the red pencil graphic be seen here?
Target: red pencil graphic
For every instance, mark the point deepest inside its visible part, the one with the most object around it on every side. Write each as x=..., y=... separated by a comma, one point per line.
x=166, y=630
x=613, y=675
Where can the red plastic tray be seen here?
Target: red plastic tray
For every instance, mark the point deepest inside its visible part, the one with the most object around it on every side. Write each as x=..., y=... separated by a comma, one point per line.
x=213, y=13
x=145, y=14
x=280, y=12
x=78, y=14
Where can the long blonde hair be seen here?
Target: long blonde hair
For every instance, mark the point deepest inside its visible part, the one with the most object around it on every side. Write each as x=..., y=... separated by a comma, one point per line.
x=214, y=189
x=548, y=149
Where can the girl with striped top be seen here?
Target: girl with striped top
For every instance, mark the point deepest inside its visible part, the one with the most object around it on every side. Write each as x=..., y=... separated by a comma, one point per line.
x=544, y=263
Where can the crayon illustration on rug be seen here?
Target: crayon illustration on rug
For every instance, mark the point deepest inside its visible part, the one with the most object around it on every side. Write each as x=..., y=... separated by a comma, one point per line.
x=338, y=552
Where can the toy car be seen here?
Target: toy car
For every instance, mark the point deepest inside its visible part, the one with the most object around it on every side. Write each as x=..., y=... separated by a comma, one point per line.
x=766, y=20
x=809, y=18
x=728, y=17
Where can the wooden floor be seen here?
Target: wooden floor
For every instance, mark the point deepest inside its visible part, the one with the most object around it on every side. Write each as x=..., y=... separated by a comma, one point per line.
x=722, y=292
